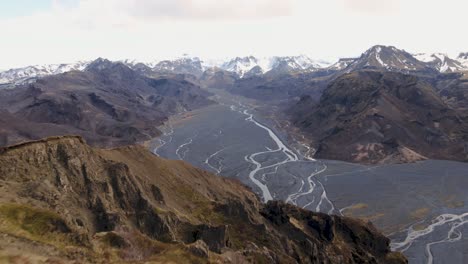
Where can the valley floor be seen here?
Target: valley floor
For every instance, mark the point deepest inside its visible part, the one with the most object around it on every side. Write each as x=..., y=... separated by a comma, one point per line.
x=422, y=206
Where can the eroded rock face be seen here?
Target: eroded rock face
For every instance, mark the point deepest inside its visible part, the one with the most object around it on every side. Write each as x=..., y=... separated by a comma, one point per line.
x=330, y=238
x=126, y=204
x=382, y=117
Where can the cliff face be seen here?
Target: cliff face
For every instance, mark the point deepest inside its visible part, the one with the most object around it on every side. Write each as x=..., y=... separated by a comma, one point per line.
x=64, y=201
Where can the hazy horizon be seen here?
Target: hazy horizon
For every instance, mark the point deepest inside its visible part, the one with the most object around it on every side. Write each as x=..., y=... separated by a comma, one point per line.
x=63, y=31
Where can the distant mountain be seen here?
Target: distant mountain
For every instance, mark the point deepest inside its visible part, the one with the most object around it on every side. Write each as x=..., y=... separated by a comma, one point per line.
x=388, y=58
x=107, y=103
x=249, y=66
x=284, y=65
x=273, y=86
x=463, y=59
x=243, y=65
x=184, y=65
x=101, y=64
x=255, y=71
x=134, y=63
x=30, y=73
x=220, y=79
x=378, y=58
x=441, y=62
x=453, y=88
x=373, y=117
x=341, y=64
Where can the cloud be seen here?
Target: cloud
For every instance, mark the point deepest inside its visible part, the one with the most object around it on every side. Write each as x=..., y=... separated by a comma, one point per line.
x=147, y=30
x=185, y=9
x=212, y=9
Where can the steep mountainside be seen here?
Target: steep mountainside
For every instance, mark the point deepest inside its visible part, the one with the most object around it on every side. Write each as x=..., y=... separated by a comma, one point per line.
x=283, y=86
x=108, y=104
x=390, y=59
x=218, y=78
x=453, y=88
x=372, y=117
x=62, y=201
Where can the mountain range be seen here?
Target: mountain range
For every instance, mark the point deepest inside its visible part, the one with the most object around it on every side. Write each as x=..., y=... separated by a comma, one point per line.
x=96, y=102
x=107, y=103
x=29, y=73
x=114, y=201
x=389, y=58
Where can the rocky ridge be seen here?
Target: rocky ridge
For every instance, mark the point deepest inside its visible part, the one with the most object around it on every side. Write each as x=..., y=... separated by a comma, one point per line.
x=63, y=201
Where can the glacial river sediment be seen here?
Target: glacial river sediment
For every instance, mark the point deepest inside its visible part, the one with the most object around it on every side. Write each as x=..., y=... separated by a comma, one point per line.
x=422, y=206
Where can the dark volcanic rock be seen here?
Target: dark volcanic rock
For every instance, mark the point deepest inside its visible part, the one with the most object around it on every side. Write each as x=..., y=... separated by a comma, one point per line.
x=218, y=78
x=108, y=104
x=356, y=241
x=285, y=86
x=373, y=116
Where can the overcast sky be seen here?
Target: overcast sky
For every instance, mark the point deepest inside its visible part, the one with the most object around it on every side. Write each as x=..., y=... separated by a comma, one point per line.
x=56, y=31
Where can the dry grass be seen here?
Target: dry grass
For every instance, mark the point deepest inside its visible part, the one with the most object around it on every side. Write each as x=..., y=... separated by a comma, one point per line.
x=34, y=224
x=177, y=255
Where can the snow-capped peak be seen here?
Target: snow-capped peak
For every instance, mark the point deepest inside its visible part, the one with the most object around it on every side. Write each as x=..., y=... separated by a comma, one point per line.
x=20, y=75
x=425, y=57
x=341, y=64
x=440, y=61
x=185, y=65
x=244, y=65
x=388, y=58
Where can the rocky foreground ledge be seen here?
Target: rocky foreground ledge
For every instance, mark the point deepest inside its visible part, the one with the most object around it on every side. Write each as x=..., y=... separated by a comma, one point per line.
x=65, y=202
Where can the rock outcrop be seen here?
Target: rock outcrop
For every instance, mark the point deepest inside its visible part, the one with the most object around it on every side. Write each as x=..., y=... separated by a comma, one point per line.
x=63, y=201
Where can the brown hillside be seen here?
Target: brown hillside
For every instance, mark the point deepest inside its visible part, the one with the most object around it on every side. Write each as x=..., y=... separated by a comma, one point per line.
x=63, y=201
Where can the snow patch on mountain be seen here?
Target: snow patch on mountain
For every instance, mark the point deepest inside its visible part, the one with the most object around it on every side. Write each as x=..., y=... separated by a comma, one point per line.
x=463, y=59
x=440, y=61
x=424, y=57
x=387, y=58
x=25, y=74
x=377, y=57
x=243, y=65
x=341, y=64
